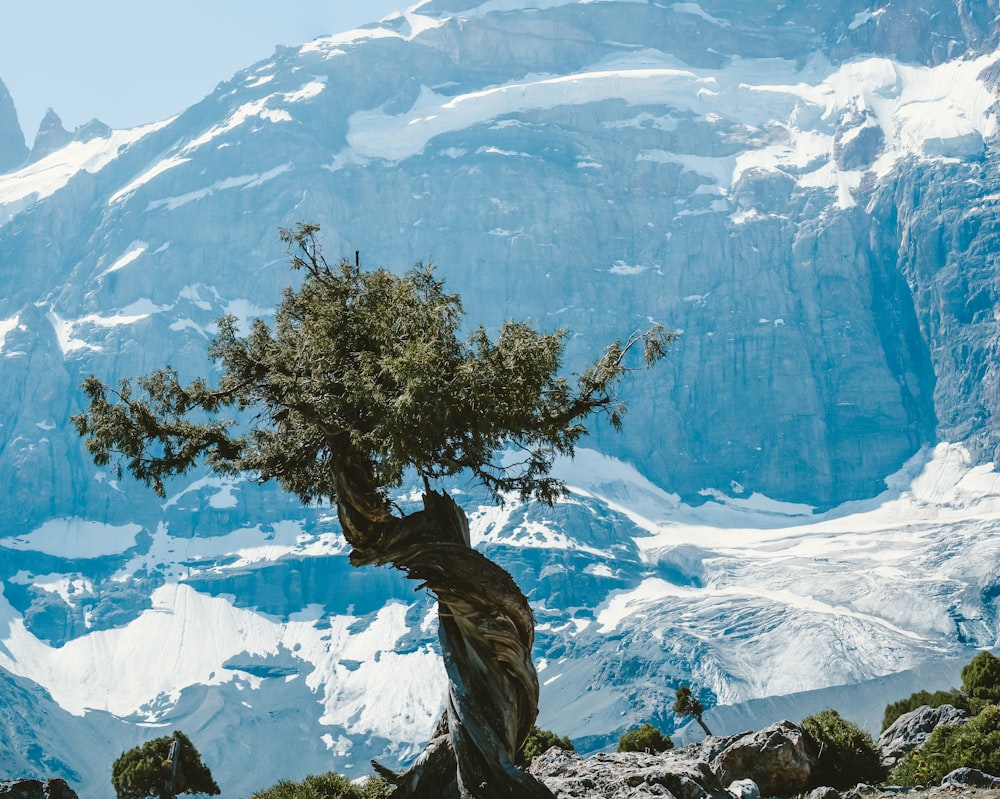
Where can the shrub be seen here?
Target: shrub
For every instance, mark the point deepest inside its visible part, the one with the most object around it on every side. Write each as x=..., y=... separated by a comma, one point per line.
x=952, y=697
x=326, y=786
x=539, y=741
x=847, y=754
x=645, y=739
x=981, y=679
x=973, y=744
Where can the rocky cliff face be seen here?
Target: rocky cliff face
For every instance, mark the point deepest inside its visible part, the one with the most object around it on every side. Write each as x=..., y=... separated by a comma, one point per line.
x=806, y=192
x=12, y=148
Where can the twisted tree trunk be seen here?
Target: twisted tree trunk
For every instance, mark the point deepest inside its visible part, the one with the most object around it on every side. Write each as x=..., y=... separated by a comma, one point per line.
x=486, y=632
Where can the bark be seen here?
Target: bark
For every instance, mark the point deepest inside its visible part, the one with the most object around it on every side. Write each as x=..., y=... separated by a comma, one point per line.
x=486, y=632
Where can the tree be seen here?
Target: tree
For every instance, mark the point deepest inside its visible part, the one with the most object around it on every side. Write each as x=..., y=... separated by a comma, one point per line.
x=164, y=768
x=981, y=679
x=539, y=741
x=687, y=705
x=645, y=739
x=847, y=754
x=363, y=379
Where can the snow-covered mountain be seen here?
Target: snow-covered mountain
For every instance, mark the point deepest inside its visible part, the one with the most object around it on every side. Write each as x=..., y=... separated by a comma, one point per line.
x=803, y=497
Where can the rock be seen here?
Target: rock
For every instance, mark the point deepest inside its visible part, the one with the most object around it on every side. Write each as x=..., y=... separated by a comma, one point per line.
x=50, y=137
x=744, y=789
x=625, y=775
x=779, y=758
x=13, y=150
x=912, y=729
x=36, y=789
x=95, y=129
x=857, y=148
x=970, y=778
x=823, y=792
x=968, y=146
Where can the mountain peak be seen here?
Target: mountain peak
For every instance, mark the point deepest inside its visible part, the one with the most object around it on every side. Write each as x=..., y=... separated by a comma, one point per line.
x=50, y=137
x=12, y=147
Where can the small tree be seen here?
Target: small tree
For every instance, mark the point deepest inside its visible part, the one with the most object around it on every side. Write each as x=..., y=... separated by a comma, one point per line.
x=645, y=739
x=162, y=768
x=981, y=679
x=362, y=380
x=540, y=741
x=688, y=705
x=847, y=754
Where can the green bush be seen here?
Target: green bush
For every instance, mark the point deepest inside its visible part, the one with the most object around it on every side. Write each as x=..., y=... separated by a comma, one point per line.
x=952, y=697
x=847, y=754
x=539, y=741
x=645, y=739
x=981, y=679
x=973, y=744
x=326, y=786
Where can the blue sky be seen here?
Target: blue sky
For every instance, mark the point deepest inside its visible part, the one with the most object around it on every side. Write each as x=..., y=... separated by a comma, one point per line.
x=128, y=62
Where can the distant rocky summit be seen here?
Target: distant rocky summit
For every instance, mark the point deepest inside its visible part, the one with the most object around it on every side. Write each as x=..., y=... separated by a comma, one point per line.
x=13, y=150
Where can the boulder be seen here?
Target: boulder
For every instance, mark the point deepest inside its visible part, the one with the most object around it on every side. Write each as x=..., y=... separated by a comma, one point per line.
x=626, y=775
x=970, y=778
x=36, y=789
x=823, y=792
x=744, y=789
x=780, y=759
x=912, y=729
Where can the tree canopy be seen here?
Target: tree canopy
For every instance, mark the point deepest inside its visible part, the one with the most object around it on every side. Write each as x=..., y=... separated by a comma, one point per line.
x=981, y=678
x=365, y=367
x=645, y=738
x=688, y=705
x=147, y=771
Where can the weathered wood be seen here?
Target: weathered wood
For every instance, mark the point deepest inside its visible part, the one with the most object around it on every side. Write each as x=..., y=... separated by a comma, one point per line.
x=486, y=630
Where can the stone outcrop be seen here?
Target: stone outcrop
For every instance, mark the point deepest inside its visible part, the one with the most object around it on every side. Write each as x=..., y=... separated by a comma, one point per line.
x=780, y=759
x=776, y=761
x=50, y=137
x=627, y=775
x=970, y=778
x=13, y=150
x=912, y=729
x=36, y=789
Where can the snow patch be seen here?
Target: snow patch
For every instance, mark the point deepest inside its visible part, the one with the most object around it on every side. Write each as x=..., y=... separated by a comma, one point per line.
x=76, y=539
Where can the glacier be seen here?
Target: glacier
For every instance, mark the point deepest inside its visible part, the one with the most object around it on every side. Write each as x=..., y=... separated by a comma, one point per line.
x=801, y=511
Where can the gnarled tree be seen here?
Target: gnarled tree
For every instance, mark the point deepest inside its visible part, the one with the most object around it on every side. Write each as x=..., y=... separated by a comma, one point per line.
x=363, y=377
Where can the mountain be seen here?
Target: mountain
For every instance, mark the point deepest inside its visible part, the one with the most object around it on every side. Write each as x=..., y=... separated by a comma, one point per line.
x=12, y=148
x=803, y=496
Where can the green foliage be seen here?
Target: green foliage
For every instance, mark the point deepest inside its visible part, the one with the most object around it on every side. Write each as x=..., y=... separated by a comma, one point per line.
x=146, y=770
x=847, y=754
x=365, y=368
x=539, y=741
x=981, y=679
x=686, y=704
x=973, y=744
x=326, y=786
x=645, y=739
x=951, y=697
